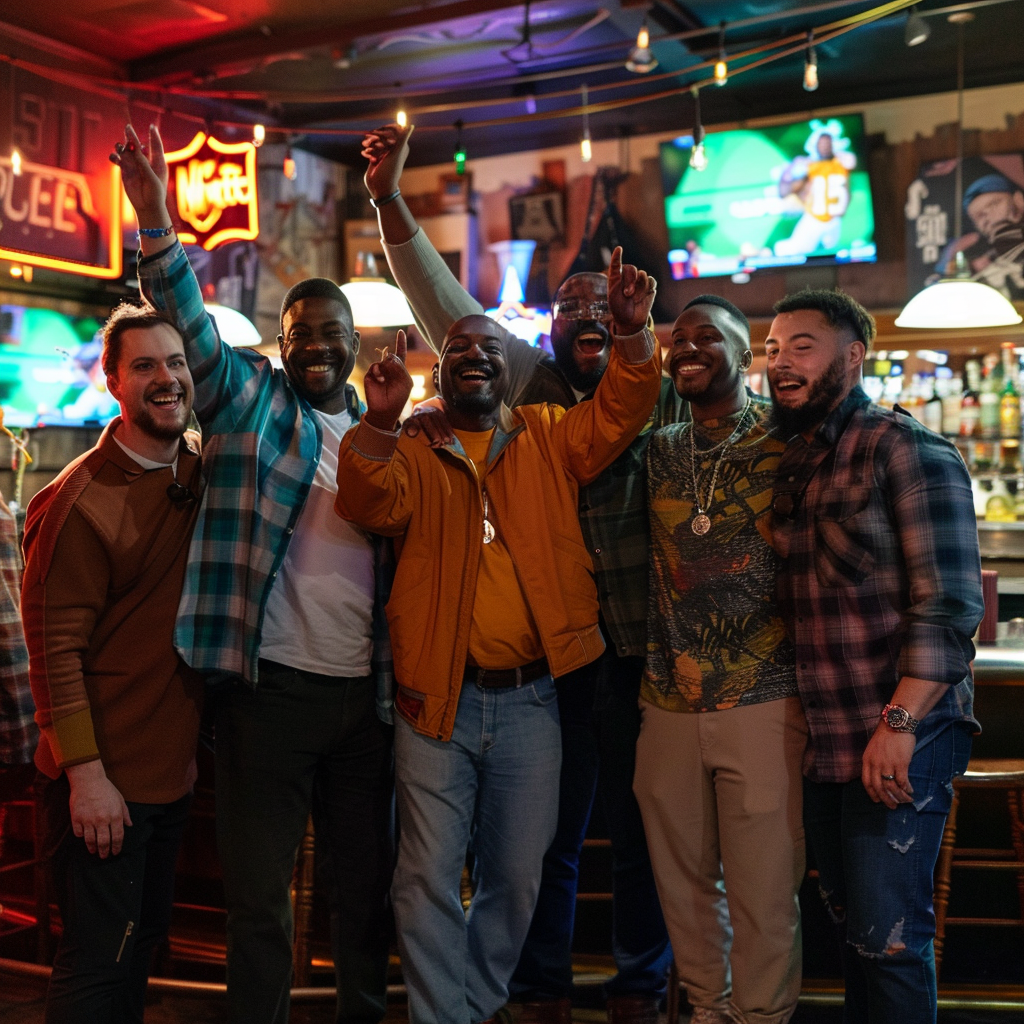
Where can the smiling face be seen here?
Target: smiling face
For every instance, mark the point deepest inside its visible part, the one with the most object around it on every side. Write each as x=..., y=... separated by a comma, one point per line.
x=825, y=147
x=152, y=382
x=318, y=350
x=812, y=366
x=992, y=211
x=709, y=355
x=581, y=330
x=472, y=375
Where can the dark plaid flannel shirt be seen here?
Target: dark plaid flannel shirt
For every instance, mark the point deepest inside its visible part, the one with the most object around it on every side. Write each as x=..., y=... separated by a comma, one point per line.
x=881, y=576
x=18, y=732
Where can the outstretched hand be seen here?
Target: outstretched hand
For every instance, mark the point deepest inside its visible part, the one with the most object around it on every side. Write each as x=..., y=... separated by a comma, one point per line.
x=630, y=294
x=386, y=149
x=387, y=386
x=144, y=176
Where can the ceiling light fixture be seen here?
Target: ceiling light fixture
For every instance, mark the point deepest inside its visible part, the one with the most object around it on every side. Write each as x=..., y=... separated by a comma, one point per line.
x=811, y=64
x=641, y=60
x=288, y=168
x=698, y=158
x=721, y=67
x=958, y=301
x=586, y=150
x=259, y=135
x=15, y=161
x=374, y=302
x=917, y=30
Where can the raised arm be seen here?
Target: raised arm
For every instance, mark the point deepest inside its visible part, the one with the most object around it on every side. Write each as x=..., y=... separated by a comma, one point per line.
x=224, y=380
x=593, y=434
x=436, y=297
x=373, y=477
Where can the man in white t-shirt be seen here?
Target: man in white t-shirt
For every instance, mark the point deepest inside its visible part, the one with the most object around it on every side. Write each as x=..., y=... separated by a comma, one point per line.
x=283, y=601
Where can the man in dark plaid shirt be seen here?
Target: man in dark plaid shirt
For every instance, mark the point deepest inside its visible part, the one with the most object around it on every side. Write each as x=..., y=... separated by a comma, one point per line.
x=881, y=592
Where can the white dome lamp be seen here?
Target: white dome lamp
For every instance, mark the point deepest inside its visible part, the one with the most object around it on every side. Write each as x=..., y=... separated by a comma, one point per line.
x=374, y=302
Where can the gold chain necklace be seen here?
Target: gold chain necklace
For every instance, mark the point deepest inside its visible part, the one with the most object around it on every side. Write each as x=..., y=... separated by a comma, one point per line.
x=701, y=521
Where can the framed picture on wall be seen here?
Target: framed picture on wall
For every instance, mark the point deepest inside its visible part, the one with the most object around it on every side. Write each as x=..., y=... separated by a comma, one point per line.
x=455, y=192
x=539, y=217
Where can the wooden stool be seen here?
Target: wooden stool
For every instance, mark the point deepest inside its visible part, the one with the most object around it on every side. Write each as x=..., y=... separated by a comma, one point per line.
x=981, y=773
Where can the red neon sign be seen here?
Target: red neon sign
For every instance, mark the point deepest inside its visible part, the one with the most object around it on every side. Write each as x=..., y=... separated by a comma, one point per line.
x=212, y=190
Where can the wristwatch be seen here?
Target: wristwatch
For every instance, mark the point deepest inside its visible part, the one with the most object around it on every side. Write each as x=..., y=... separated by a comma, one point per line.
x=898, y=718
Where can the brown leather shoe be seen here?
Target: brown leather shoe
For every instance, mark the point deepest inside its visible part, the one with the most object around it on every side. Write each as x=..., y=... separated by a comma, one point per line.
x=632, y=1010
x=546, y=1011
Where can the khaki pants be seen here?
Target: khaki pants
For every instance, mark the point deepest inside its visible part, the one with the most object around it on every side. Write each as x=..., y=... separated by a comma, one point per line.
x=720, y=793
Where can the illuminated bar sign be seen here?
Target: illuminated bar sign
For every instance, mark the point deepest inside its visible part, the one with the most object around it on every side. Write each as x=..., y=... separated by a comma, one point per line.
x=212, y=190
x=61, y=219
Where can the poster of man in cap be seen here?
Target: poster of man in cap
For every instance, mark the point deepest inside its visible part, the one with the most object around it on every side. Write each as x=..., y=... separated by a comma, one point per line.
x=992, y=223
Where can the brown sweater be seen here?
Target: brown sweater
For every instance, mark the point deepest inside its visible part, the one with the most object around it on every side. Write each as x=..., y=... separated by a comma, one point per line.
x=105, y=552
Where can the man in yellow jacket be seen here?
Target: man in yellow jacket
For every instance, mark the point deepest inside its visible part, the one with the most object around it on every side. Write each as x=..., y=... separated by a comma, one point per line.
x=493, y=597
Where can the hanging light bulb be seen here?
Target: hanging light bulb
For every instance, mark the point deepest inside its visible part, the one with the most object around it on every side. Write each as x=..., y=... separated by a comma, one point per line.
x=289, y=169
x=698, y=158
x=15, y=161
x=811, y=64
x=641, y=59
x=401, y=117
x=917, y=30
x=721, y=67
x=586, y=151
x=460, y=150
x=531, y=100
x=259, y=135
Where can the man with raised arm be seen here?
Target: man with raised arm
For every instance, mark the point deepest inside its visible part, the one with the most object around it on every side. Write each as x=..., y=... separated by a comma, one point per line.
x=493, y=599
x=598, y=710
x=279, y=604
x=118, y=710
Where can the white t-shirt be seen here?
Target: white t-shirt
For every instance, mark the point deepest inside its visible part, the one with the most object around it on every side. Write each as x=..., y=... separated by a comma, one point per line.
x=320, y=609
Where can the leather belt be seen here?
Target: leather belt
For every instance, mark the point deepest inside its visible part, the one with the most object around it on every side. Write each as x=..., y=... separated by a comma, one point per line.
x=494, y=679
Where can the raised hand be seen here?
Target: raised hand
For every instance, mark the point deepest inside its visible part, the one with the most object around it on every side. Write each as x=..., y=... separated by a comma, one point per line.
x=630, y=294
x=144, y=176
x=386, y=149
x=387, y=386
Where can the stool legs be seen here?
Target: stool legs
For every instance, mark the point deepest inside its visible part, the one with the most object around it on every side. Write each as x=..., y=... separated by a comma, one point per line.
x=943, y=872
x=1015, y=802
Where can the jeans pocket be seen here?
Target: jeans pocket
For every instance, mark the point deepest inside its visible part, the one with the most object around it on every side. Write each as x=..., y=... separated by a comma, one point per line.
x=542, y=691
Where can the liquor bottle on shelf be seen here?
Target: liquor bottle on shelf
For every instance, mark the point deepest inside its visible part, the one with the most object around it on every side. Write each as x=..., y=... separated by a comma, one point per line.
x=991, y=393
x=931, y=415
x=970, y=402
x=951, y=404
x=999, y=508
x=1009, y=412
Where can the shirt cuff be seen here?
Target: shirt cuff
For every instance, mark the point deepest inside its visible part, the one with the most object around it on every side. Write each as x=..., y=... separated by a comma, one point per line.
x=636, y=348
x=373, y=443
x=73, y=739
x=165, y=257
x=937, y=653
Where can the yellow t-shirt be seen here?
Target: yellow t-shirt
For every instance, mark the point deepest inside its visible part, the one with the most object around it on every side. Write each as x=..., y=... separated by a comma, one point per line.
x=828, y=189
x=503, y=634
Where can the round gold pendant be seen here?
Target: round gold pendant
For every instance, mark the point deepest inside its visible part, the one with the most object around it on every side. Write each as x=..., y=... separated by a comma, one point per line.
x=701, y=524
x=488, y=532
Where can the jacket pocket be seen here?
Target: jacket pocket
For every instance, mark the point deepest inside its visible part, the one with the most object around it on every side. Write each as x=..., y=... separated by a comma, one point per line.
x=843, y=554
x=409, y=704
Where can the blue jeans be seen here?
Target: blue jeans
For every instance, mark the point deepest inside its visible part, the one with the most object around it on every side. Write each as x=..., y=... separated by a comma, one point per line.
x=600, y=717
x=494, y=787
x=876, y=868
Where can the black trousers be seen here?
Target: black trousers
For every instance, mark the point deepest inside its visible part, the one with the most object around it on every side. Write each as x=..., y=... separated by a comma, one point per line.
x=115, y=911
x=304, y=742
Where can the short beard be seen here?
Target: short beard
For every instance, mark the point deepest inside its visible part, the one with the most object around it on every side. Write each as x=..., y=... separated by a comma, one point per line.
x=565, y=360
x=823, y=395
x=477, y=404
x=145, y=422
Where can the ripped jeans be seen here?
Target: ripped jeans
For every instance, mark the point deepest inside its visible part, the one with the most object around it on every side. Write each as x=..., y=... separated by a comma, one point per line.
x=875, y=875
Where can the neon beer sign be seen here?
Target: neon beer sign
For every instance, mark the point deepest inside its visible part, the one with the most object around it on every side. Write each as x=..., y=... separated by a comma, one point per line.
x=212, y=191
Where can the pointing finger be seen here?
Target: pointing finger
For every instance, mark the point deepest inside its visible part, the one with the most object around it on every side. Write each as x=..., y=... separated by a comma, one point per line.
x=400, y=346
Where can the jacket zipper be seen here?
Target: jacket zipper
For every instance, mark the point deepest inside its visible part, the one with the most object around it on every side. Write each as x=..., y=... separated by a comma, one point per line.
x=127, y=932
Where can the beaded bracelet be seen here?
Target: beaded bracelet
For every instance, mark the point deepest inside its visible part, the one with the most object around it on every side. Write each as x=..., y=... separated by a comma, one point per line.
x=156, y=232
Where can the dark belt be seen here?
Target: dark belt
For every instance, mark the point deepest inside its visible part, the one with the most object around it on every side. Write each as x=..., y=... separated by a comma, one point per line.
x=496, y=678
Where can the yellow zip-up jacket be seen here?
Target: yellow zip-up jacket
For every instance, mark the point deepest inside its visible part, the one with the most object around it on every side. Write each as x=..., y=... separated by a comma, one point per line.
x=430, y=501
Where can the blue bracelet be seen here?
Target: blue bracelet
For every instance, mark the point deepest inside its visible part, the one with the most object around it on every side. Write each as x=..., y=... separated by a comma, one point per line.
x=156, y=232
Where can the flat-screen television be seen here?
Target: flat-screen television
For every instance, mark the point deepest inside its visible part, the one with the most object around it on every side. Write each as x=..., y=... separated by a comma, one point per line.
x=50, y=368
x=769, y=197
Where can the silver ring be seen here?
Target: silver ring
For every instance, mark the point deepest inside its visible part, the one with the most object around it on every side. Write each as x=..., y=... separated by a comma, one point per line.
x=889, y=778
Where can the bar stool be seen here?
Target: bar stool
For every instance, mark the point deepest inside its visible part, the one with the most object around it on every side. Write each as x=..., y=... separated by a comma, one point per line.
x=982, y=773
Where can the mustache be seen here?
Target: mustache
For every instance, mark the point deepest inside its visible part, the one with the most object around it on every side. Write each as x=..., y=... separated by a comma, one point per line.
x=175, y=390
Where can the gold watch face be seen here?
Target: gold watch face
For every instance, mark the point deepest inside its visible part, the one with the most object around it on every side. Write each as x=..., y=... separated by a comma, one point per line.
x=897, y=718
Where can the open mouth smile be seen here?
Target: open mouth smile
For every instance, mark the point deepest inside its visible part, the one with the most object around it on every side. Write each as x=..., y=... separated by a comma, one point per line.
x=591, y=343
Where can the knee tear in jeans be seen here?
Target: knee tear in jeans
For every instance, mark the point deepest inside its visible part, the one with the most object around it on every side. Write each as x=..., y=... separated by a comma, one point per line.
x=902, y=847
x=836, y=912
x=893, y=944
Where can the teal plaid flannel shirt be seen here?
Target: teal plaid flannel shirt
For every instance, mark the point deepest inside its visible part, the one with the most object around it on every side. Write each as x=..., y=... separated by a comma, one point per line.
x=261, y=447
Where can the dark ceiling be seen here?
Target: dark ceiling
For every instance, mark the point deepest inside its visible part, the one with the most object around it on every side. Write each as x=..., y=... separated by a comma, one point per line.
x=325, y=71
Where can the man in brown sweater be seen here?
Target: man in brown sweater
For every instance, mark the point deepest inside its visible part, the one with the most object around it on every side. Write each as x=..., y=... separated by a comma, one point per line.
x=118, y=711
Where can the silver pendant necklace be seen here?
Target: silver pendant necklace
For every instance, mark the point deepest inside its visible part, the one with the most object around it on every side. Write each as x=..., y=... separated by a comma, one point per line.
x=701, y=522
x=488, y=527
